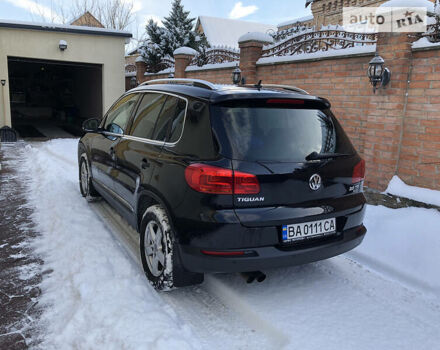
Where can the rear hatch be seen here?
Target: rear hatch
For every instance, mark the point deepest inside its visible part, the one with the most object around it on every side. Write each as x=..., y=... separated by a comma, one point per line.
x=284, y=143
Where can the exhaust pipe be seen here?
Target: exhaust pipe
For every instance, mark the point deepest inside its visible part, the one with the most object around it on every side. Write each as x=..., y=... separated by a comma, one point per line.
x=252, y=276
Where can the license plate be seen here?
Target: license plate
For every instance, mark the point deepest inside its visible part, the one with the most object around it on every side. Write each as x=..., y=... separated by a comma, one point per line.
x=305, y=230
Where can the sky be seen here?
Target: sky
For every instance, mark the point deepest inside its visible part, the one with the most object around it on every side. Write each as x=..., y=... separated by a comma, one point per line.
x=263, y=11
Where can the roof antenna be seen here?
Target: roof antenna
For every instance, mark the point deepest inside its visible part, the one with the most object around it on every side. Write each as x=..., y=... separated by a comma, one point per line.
x=258, y=85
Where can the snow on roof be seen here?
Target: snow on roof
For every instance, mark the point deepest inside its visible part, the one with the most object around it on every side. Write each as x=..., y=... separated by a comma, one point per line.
x=410, y=3
x=295, y=20
x=256, y=36
x=224, y=31
x=185, y=51
x=67, y=28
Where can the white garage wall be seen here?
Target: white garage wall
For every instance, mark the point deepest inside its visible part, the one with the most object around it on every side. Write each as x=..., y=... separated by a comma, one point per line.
x=85, y=48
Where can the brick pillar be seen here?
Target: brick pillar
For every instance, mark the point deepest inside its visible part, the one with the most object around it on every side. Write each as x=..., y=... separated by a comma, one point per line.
x=182, y=58
x=141, y=68
x=387, y=110
x=250, y=52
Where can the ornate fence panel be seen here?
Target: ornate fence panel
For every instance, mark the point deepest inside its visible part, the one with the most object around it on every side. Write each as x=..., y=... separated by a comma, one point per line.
x=283, y=34
x=130, y=70
x=165, y=63
x=216, y=55
x=433, y=31
x=323, y=40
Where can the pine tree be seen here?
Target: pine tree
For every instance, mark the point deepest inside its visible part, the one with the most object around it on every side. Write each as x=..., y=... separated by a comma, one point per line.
x=203, y=46
x=153, y=49
x=177, y=32
x=180, y=28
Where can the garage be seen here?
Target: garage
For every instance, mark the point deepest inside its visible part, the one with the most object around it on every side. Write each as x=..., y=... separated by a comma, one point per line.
x=53, y=77
x=51, y=98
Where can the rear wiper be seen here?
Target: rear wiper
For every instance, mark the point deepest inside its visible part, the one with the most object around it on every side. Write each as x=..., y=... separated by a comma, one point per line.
x=317, y=156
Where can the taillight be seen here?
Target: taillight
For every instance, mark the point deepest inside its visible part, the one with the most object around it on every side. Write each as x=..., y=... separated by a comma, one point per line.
x=211, y=179
x=358, y=172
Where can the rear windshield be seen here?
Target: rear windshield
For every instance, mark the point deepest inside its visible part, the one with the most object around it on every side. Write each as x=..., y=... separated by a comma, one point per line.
x=276, y=134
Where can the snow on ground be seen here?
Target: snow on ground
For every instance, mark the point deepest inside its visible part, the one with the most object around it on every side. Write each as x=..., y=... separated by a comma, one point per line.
x=404, y=243
x=398, y=188
x=97, y=296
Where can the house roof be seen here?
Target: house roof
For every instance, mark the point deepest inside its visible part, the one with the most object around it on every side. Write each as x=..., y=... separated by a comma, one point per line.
x=51, y=27
x=224, y=31
x=87, y=19
x=295, y=20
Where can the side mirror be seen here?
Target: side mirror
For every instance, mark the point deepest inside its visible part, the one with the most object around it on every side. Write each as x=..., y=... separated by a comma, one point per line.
x=91, y=125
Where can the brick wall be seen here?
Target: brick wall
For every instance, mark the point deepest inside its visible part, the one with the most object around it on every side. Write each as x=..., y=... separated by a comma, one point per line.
x=419, y=162
x=219, y=76
x=394, y=132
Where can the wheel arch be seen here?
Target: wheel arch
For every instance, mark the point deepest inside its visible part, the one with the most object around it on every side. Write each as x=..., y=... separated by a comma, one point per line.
x=147, y=198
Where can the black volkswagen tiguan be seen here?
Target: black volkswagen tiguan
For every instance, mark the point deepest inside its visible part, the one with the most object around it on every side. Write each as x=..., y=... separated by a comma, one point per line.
x=225, y=178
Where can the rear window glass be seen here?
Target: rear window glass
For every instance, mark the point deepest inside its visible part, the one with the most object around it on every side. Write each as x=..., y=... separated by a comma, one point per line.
x=277, y=134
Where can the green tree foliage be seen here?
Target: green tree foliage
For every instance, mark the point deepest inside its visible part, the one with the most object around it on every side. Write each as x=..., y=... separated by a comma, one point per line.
x=178, y=31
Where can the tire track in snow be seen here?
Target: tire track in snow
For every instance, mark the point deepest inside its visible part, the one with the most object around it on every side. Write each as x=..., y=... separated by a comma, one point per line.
x=218, y=308
x=214, y=320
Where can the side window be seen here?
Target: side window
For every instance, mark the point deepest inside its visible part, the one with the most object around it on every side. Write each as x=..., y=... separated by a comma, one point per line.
x=119, y=114
x=177, y=122
x=170, y=124
x=147, y=114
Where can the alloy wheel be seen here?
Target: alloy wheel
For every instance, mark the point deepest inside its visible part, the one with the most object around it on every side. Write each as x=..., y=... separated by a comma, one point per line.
x=154, y=248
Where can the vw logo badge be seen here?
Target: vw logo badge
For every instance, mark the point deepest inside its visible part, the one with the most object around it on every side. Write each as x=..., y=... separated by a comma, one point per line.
x=315, y=182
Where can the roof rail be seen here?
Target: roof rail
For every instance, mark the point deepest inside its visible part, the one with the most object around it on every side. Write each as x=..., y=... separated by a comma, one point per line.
x=284, y=87
x=194, y=82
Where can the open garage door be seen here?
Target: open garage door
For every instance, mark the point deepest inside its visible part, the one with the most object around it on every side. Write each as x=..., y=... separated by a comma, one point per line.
x=51, y=99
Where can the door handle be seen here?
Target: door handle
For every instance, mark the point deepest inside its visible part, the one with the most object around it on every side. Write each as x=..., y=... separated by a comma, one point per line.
x=145, y=164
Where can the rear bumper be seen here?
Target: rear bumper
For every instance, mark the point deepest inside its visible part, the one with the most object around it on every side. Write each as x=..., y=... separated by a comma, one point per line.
x=261, y=258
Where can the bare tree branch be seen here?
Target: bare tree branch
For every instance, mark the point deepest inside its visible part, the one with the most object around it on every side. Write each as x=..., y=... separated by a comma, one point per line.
x=114, y=14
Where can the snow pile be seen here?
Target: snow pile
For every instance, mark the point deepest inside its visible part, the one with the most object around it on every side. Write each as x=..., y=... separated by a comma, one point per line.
x=424, y=43
x=398, y=188
x=140, y=58
x=95, y=296
x=185, y=51
x=212, y=66
x=359, y=50
x=405, y=242
x=163, y=71
x=256, y=36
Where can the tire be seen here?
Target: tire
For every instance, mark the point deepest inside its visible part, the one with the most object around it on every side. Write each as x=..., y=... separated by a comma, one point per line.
x=85, y=180
x=160, y=254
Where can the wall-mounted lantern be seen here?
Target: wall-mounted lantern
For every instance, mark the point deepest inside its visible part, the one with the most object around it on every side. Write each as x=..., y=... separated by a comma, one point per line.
x=133, y=82
x=377, y=73
x=62, y=45
x=3, y=81
x=236, y=75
